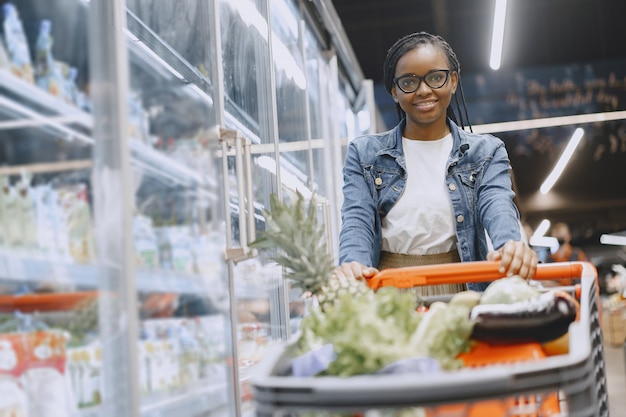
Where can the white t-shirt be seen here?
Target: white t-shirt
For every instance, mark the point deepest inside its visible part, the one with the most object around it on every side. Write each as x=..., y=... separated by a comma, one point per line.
x=421, y=222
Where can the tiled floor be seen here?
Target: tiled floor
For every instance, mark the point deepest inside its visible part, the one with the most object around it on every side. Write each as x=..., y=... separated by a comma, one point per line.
x=616, y=379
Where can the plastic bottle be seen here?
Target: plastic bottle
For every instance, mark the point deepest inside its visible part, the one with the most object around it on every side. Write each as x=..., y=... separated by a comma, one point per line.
x=16, y=43
x=43, y=50
x=26, y=211
x=70, y=92
x=46, y=73
x=5, y=62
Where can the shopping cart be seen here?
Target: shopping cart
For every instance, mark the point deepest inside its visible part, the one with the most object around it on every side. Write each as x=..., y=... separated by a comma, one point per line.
x=571, y=384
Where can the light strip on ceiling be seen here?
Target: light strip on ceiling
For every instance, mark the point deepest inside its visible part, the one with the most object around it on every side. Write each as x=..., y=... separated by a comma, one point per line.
x=539, y=239
x=497, y=37
x=542, y=228
x=607, y=239
x=562, y=162
x=576, y=119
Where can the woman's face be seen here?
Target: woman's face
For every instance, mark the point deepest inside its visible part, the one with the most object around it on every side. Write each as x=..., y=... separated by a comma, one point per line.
x=425, y=107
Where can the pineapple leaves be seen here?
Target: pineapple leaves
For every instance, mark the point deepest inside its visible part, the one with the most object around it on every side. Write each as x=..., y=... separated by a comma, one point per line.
x=300, y=241
x=293, y=229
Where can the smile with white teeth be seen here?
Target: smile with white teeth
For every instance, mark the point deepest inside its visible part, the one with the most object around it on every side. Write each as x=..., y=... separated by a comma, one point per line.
x=426, y=103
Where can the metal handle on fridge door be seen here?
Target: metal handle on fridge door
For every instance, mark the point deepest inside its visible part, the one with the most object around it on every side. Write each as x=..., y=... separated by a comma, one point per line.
x=234, y=144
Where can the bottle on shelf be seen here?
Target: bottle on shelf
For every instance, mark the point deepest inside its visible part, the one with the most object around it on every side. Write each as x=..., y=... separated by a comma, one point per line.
x=26, y=212
x=16, y=43
x=10, y=215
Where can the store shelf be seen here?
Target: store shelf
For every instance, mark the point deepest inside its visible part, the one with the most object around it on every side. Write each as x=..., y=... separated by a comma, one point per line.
x=146, y=47
x=32, y=269
x=29, y=98
x=28, y=92
x=14, y=267
x=167, y=281
x=158, y=163
x=204, y=397
x=88, y=412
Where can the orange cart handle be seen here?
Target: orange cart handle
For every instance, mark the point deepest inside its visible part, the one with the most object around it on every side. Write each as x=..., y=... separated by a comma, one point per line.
x=461, y=273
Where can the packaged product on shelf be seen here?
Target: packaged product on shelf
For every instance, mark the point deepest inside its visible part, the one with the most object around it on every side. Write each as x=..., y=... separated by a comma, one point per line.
x=189, y=356
x=84, y=366
x=176, y=353
x=157, y=366
x=10, y=215
x=252, y=342
x=12, y=396
x=4, y=182
x=207, y=251
x=143, y=368
x=36, y=362
x=146, y=244
x=26, y=212
x=137, y=119
x=181, y=243
x=4, y=57
x=78, y=222
x=165, y=247
x=209, y=331
x=16, y=43
x=172, y=351
x=70, y=89
x=52, y=235
x=47, y=75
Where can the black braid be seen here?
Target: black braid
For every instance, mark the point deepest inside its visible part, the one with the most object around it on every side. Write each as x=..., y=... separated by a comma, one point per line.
x=413, y=41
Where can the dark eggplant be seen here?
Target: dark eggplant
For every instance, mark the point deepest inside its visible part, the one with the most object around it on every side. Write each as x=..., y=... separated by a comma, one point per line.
x=540, y=319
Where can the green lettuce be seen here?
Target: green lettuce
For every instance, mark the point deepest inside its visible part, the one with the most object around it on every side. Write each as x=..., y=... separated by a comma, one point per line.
x=368, y=333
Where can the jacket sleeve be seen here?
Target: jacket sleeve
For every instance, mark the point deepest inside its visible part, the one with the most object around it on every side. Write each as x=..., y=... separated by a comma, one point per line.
x=358, y=214
x=496, y=208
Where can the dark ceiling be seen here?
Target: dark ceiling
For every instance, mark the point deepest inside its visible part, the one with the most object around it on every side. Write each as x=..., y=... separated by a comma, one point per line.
x=541, y=37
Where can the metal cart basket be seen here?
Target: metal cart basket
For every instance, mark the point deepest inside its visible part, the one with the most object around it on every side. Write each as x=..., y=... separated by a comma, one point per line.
x=571, y=384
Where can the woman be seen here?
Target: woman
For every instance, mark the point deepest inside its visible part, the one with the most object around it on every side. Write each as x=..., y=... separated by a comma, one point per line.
x=426, y=191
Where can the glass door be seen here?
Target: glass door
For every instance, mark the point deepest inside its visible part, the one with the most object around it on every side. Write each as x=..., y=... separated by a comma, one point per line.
x=50, y=349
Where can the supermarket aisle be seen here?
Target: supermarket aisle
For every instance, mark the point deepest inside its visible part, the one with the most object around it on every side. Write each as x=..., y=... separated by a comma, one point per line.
x=616, y=379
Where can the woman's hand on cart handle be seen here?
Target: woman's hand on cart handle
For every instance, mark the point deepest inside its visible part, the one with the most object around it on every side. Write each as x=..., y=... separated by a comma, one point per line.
x=516, y=258
x=355, y=270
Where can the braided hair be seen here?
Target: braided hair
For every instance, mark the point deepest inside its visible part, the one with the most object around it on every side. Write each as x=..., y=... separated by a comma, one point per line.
x=413, y=41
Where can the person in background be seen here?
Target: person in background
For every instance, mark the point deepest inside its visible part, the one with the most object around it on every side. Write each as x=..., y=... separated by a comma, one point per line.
x=427, y=191
x=565, y=252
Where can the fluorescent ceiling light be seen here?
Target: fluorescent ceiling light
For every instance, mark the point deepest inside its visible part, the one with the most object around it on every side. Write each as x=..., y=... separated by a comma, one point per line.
x=613, y=240
x=497, y=36
x=539, y=239
x=575, y=119
x=562, y=162
x=546, y=242
x=541, y=230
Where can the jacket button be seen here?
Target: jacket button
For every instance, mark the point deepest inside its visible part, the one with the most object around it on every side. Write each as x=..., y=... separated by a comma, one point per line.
x=378, y=181
x=460, y=218
x=451, y=187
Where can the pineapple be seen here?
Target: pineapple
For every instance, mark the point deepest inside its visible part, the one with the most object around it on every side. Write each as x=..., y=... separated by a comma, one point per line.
x=293, y=229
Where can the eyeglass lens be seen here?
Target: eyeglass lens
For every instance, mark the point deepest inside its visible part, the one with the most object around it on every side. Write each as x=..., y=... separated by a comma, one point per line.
x=410, y=83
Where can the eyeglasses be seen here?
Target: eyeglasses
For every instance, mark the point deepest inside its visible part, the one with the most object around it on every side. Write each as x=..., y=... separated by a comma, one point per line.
x=434, y=79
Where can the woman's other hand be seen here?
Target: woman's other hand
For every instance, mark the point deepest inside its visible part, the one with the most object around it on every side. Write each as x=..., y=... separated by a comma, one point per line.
x=516, y=258
x=355, y=270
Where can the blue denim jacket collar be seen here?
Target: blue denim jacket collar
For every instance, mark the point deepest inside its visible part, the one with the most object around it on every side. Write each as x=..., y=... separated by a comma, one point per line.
x=394, y=144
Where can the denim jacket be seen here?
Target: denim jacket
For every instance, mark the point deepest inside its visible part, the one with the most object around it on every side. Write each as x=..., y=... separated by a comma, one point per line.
x=477, y=179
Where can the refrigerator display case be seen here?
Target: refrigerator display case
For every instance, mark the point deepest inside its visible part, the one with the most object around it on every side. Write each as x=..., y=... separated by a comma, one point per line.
x=139, y=143
x=115, y=293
